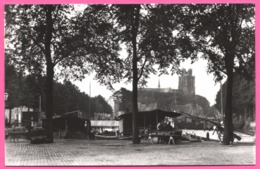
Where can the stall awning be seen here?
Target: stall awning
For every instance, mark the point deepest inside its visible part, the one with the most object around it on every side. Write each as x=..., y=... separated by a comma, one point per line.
x=104, y=123
x=152, y=113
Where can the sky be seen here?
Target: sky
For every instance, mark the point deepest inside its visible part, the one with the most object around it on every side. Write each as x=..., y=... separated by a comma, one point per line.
x=204, y=82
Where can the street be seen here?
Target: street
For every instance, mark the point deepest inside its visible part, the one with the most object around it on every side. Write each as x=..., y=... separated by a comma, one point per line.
x=121, y=152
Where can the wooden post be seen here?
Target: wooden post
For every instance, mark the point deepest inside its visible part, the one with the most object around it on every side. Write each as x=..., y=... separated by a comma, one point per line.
x=144, y=121
x=66, y=127
x=10, y=117
x=156, y=117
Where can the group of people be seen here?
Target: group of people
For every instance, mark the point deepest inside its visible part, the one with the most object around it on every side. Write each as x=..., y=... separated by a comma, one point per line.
x=164, y=126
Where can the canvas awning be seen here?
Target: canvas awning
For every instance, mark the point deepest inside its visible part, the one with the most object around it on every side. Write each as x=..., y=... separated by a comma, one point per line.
x=104, y=123
x=155, y=112
x=145, y=119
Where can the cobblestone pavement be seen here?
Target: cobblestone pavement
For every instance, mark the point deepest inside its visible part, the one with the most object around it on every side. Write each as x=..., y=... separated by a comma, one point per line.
x=121, y=152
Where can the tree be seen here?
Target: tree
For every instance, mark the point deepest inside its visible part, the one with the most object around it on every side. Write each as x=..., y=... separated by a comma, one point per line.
x=100, y=105
x=67, y=97
x=13, y=83
x=227, y=43
x=147, y=33
x=97, y=40
x=45, y=37
x=39, y=32
x=26, y=89
x=243, y=97
x=124, y=99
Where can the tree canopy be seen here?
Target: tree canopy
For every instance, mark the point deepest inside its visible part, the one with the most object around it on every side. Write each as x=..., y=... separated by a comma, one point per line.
x=227, y=44
x=44, y=37
x=25, y=90
x=243, y=97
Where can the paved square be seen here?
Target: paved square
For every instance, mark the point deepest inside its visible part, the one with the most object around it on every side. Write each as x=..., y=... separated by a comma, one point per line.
x=121, y=152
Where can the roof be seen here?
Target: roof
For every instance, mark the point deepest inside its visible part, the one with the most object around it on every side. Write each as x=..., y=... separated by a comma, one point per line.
x=66, y=116
x=159, y=111
x=104, y=123
x=72, y=112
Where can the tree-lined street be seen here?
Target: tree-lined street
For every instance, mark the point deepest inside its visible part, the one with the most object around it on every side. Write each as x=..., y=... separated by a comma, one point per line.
x=58, y=42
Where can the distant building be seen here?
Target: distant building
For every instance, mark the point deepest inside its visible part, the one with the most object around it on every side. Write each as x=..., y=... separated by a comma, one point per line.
x=162, y=90
x=150, y=98
x=186, y=85
x=187, y=82
x=14, y=115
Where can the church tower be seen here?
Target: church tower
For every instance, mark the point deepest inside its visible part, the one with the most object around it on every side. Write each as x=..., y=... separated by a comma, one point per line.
x=187, y=82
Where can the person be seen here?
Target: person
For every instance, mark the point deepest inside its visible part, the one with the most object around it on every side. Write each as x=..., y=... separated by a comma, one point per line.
x=173, y=125
x=159, y=126
x=207, y=136
x=219, y=130
x=168, y=126
x=164, y=126
x=149, y=128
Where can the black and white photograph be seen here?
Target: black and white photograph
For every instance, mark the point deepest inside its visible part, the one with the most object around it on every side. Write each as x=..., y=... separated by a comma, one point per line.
x=129, y=85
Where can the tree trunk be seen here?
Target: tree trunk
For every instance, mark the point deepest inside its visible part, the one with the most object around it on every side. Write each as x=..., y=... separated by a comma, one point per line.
x=10, y=117
x=228, y=121
x=49, y=103
x=233, y=39
x=135, y=104
x=135, y=20
x=50, y=74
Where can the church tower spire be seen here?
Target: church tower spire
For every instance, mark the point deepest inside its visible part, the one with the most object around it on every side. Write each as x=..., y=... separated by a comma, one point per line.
x=159, y=86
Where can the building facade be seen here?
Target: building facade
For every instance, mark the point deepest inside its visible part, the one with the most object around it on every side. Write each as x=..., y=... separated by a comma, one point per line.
x=152, y=98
